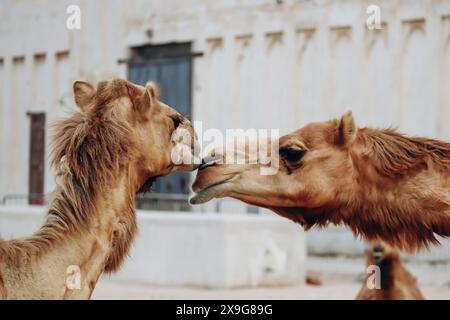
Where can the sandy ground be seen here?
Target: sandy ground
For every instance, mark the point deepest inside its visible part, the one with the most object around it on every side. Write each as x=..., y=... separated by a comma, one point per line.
x=341, y=279
x=330, y=290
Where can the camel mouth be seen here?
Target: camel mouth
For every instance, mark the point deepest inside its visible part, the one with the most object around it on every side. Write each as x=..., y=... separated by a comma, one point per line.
x=147, y=187
x=210, y=161
x=209, y=192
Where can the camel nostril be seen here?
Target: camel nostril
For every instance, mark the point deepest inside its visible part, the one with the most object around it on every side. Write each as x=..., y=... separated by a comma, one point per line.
x=211, y=160
x=203, y=164
x=207, y=163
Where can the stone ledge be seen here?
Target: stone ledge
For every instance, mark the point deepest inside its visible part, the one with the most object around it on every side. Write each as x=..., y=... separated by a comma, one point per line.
x=198, y=249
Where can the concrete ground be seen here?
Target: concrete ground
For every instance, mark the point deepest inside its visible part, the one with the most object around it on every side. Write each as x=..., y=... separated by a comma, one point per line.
x=341, y=279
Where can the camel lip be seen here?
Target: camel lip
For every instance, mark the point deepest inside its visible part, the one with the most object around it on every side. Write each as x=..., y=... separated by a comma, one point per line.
x=208, y=192
x=214, y=184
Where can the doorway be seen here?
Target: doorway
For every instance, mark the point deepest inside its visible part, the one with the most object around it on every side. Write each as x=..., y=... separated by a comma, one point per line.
x=36, y=159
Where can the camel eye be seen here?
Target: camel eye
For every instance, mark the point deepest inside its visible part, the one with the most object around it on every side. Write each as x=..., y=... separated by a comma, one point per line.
x=176, y=122
x=292, y=155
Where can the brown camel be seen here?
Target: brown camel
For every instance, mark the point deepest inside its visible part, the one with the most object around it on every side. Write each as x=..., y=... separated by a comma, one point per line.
x=381, y=184
x=396, y=283
x=115, y=145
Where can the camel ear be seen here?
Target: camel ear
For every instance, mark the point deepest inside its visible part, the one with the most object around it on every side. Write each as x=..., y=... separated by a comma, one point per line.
x=153, y=89
x=346, y=130
x=148, y=99
x=83, y=92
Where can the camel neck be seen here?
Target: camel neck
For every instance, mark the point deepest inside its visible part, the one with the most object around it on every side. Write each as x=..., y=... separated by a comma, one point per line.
x=414, y=216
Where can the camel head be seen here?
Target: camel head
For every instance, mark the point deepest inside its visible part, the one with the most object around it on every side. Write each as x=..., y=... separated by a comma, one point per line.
x=382, y=184
x=121, y=124
x=314, y=170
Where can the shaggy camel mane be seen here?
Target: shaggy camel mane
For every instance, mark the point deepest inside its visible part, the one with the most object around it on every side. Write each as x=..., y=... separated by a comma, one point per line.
x=368, y=213
x=394, y=154
x=88, y=150
x=397, y=156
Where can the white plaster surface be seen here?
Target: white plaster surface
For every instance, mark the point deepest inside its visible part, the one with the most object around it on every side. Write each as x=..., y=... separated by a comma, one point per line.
x=200, y=250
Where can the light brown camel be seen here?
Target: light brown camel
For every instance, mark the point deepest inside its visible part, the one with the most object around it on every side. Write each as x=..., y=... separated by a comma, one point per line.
x=396, y=283
x=382, y=184
x=116, y=145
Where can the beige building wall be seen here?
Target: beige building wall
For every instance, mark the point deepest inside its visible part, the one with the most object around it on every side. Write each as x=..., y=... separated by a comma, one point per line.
x=265, y=65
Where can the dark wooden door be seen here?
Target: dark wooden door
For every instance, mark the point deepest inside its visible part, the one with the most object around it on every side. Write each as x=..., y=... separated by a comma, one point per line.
x=170, y=66
x=37, y=158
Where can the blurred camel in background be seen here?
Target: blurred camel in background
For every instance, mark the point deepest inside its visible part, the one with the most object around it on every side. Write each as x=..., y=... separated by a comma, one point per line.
x=396, y=283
